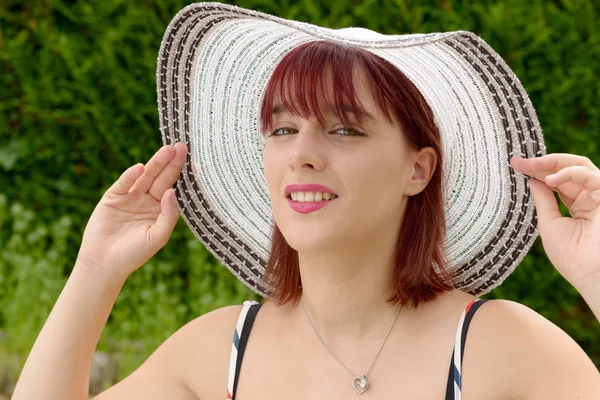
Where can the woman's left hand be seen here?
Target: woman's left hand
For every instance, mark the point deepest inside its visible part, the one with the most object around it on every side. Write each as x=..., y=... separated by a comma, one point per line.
x=572, y=244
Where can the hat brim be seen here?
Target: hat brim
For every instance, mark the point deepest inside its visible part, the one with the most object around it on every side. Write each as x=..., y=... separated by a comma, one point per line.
x=213, y=65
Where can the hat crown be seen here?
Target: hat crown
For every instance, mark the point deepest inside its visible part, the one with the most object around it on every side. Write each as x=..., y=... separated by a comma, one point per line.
x=360, y=33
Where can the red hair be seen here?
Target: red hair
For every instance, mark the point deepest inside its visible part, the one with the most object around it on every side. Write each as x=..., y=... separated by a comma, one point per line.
x=299, y=79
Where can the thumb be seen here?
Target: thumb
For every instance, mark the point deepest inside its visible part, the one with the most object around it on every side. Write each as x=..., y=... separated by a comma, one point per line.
x=169, y=214
x=545, y=202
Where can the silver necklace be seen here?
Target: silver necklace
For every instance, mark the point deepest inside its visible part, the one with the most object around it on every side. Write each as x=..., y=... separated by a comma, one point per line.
x=359, y=383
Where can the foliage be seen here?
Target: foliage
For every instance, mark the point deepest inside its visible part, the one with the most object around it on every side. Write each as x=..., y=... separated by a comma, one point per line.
x=78, y=106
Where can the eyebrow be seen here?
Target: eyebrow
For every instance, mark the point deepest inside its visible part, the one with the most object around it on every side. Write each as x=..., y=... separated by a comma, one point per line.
x=279, y=109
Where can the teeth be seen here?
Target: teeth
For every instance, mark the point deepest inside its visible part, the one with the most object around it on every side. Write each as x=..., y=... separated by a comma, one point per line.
x=311, y=196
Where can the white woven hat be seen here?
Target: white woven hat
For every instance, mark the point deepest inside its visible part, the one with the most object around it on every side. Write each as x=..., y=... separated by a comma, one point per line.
x=214, y=63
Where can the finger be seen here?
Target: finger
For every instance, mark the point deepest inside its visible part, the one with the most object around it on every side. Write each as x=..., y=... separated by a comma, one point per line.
x=169, y=175
x=540, y=167
x=568, y=201
x=153, y=167
x=545, y=202
x=579, y=175
x=127, y=179
x=167, y=219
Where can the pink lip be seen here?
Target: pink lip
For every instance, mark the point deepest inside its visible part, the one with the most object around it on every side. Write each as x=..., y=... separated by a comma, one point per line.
x=307, y=207
x=307, y=187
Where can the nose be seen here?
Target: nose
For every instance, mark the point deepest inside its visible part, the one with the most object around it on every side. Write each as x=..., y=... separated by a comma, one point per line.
x=307, y=148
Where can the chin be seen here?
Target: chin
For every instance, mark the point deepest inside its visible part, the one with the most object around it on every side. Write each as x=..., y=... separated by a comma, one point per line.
x=309, y=246
x=307, y=240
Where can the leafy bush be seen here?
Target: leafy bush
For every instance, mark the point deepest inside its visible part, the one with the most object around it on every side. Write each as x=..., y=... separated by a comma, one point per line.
x=78, y=106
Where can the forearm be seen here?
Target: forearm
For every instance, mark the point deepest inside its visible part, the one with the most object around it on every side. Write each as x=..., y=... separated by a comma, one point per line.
x=58, y=366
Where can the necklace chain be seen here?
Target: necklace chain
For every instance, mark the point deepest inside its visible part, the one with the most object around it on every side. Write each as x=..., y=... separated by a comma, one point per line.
x=363, y=377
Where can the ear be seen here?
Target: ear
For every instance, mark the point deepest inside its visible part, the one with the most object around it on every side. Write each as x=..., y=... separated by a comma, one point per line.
x=422, y=168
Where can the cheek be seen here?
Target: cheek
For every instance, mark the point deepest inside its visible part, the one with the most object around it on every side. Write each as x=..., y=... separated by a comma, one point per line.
x=379, y=177
x=273, y=171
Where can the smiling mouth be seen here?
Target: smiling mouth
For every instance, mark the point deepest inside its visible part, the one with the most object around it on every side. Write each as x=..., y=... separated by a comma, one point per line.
x=310, y=197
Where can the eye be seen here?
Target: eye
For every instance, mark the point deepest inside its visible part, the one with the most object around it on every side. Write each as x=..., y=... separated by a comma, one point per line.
x=349, y=132
x=282, y=131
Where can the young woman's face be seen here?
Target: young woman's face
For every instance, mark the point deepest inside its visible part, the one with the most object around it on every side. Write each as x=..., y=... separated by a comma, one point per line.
x=367, y=166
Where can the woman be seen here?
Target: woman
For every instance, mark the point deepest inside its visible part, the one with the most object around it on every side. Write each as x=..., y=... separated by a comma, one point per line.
x=385, y=178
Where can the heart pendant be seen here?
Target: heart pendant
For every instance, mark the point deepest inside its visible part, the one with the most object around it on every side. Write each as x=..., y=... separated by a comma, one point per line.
x=360, y=384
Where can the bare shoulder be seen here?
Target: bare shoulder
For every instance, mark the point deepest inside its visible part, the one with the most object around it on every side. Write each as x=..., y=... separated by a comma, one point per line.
x=514, y=344
x=191, y=364
x=206, y=342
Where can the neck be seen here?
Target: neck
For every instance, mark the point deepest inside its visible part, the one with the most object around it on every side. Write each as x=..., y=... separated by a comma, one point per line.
x=345, y=295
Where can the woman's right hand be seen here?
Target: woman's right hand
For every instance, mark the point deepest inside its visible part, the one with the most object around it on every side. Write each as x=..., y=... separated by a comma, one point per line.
x=135, y=217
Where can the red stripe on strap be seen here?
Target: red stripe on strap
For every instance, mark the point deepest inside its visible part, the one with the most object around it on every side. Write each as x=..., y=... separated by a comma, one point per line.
x=469, y=306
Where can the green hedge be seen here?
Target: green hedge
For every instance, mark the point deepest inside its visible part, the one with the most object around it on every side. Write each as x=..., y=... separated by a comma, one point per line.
x=78, y=106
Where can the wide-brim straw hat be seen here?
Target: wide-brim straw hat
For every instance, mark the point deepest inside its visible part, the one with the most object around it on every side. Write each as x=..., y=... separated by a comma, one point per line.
x=213, y=65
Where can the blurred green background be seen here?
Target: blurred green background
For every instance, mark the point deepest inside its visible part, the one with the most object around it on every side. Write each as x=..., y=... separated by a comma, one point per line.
x=78, y=106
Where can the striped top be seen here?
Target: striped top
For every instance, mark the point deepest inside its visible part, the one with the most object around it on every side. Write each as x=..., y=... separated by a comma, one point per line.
x=251, y=307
